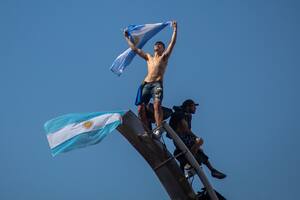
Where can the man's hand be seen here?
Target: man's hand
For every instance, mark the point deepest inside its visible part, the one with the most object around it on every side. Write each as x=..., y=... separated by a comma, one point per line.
x=133, y=47
x=197, y=145
x=199, y=141
x=174, y=24
x=126, y=34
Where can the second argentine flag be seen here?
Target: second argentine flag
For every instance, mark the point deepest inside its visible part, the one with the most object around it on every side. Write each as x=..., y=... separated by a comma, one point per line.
x=76, y=130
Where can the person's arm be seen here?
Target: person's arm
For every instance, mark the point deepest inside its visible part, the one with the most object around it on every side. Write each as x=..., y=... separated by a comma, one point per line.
x=168, y=51
x=198, y=141
x=138, y=51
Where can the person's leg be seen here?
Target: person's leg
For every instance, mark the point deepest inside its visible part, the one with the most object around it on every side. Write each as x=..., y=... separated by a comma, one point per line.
x=142, y=113
x=158, y=113
x=145, y=95
x=209, y=166
x=203, y=158
x=215, y=173
x=157, y=94
x=181, y=159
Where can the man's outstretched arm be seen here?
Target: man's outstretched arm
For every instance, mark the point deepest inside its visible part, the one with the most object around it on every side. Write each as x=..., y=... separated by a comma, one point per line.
x=168, y=51
x=138, y=51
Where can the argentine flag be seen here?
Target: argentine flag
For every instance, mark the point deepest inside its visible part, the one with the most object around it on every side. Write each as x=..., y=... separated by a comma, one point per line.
x=139, y=35
x=77, y=130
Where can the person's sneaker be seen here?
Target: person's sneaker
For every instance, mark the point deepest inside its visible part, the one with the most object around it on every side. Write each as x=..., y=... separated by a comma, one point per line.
x=157, y=133
x=189, y=171
x=215, y=173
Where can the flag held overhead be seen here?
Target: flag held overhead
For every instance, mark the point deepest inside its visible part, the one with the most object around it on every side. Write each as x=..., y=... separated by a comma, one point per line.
x=139, y=35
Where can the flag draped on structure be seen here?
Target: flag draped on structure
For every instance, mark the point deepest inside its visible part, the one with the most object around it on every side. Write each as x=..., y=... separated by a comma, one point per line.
x=76, y=130
x=139, y=35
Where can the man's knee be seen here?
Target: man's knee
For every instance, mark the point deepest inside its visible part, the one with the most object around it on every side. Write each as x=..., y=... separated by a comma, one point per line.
x=157, y=94
x=157, y=104
x=201, y=157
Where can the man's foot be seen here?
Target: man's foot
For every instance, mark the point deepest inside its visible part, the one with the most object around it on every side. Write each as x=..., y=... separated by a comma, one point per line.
x=189, y=171
x=215, y=173
x=157, y=132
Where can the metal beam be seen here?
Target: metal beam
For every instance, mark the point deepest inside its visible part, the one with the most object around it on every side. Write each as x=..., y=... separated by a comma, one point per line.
x=158, y=157
x=189, y=156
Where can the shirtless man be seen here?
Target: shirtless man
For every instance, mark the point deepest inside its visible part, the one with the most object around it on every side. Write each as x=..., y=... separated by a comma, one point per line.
x=152, y=86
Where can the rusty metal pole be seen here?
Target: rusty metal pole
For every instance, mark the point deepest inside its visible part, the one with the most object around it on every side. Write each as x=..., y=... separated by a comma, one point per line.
x=189, y=156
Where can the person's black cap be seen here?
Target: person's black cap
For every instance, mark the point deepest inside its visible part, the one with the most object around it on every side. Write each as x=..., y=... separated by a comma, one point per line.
x=189, y=102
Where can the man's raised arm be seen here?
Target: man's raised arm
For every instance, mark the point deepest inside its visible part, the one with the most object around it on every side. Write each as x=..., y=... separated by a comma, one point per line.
x=138, y=51
x=168, y=51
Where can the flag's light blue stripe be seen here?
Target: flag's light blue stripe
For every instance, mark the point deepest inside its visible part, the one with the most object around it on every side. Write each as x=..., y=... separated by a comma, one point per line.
x=126, y=57
x=85, y=139
x=56, y=124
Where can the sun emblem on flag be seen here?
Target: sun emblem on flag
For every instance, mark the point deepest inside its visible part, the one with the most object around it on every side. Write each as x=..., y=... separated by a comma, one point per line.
x=88, y=124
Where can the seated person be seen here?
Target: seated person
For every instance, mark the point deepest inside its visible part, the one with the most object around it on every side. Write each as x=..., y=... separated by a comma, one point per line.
x=180, y=122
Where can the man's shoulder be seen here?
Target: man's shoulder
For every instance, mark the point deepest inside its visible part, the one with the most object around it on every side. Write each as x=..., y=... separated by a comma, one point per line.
x=178, y=112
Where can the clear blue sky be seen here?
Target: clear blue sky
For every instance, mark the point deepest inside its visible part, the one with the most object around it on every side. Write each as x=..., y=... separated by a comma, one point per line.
x=238, y=59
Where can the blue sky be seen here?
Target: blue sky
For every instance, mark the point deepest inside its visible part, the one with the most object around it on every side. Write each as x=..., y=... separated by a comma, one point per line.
x=238, y=59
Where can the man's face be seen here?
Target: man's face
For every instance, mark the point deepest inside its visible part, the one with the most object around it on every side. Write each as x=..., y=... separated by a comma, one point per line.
x=192, y=108
x=159, y=48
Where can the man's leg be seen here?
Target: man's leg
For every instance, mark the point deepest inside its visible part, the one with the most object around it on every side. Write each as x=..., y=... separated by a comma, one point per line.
x=215, y=173
x=142, y=115
x=202, y=158
x=181, y=159
x=157, y=95
x=158, y=113
x=142, y=100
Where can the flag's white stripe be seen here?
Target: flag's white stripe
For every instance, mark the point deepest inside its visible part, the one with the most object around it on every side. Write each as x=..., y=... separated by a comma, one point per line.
x=72, y=130
x=145, y=29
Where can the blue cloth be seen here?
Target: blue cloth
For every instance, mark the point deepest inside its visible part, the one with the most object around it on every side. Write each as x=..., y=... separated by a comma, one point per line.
x=138, y=99
x=139, y=35
x=78, y=130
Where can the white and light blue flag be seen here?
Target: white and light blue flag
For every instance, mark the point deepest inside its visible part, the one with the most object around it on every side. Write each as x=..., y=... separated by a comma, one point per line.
x=139, y=35
x=77, y=130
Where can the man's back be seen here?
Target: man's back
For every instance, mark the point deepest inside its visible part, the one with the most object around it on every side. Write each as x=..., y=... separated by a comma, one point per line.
x=180, y=120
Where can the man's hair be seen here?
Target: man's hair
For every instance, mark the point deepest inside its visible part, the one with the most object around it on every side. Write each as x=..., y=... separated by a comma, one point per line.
x=188, y=102
x=160, y=42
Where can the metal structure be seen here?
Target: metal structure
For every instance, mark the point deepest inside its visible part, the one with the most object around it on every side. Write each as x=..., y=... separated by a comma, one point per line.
x=161, y=160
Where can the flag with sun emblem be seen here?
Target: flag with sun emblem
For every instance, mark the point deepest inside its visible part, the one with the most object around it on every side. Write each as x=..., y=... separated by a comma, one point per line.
x=77, y=130
x=139, y=35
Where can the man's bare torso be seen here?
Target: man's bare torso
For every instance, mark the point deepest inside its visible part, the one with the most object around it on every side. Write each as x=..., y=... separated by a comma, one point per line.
x=156, y=68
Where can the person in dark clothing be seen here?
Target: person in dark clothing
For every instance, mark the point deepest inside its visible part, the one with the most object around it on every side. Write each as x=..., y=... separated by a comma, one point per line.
x=181, y=123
